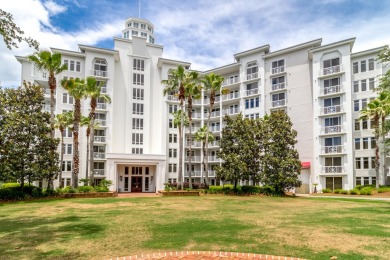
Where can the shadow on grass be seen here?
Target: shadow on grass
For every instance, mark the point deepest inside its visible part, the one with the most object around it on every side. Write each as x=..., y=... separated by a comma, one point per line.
x=21, y=237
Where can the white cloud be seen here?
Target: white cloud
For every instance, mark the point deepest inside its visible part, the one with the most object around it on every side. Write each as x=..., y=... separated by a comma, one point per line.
x=53, y=8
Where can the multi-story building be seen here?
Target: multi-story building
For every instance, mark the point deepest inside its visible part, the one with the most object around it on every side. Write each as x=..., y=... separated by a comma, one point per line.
x=321, y=87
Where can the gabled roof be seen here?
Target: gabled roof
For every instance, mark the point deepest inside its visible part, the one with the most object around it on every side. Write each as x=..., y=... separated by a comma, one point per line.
x=68, y=52
x=367, y=52
x=310, y=44
x=115, y=53
x=264, y=48
x=350, y=41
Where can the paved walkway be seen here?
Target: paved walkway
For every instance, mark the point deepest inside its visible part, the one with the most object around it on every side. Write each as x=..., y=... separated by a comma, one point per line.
x=137, y=194
x=203, y=255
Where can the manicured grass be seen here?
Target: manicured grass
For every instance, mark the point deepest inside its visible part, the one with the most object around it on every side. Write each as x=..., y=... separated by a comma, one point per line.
x=97, y=228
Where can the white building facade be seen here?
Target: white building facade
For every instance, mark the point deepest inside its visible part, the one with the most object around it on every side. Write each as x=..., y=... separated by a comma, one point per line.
x=322, y=89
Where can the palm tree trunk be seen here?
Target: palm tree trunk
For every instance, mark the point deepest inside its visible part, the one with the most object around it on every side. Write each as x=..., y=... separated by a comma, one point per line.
x=377, y=163
x=384, y=174
x=87, y=157
x=92, y=141
x=52, y=85
x=204, y=160
x=61, y=157
x=180, y=172
x=207, y=138
x=76, y=153
x=190, y=140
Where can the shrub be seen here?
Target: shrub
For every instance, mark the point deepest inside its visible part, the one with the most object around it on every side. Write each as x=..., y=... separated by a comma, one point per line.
x=366, y=191
x=383, y=189
x=69, y=189
x=267, y=190
x=247, y=189
x=337, y=191
x=354, y=192
x=86, y=189
x=105, y=183
x=11, y=194
x=326, y=191
x=10, y=185
x=49, y=192
x=101, y=189
x=343, y=191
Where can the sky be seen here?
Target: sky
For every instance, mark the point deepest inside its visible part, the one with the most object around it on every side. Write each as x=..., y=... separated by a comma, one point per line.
x=205, y=33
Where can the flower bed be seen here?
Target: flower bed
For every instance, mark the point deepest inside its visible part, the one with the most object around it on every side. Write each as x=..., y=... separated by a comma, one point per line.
x=178, y=193
x=91, y=195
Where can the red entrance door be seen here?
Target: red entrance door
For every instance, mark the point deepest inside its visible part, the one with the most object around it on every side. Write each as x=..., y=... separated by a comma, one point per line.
x=136, y=184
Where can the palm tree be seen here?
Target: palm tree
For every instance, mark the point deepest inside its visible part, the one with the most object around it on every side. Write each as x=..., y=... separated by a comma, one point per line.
x=212, y=83
x=203, y=135
x=175, y=84
x=86, y=121
x=180, y=121
x=45, y=60
x=77, y=89
x=93, y=91
x=62, y=121
x=192, y=91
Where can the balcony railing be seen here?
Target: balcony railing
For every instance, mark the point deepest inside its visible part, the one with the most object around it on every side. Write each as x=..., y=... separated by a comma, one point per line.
x=196, y=101
x=230, y=81
x=103, y=90
x=193, y=174
x=99, y=155
x=215, y=128
x=99, y=73
x=279, y=103
x=101, y=122
x=211, y=173
x=231, y=96
x=214, y=144
x=331, y=70
x=196, y=115
x=173, y=98
x=331, y=90
x=213, y=158
x=331, y=109
x=99, y=172
x=276, y=70
x=231, y=111
x=215, y=113
x=333, y=149
x=252, y=76
x=332, y=169
x=253, y=91
x=194, y=144
x=194, y=158
x=101, y=106
x=193, y=129
x=278, y=86
x=332, y=129
x=99, y=139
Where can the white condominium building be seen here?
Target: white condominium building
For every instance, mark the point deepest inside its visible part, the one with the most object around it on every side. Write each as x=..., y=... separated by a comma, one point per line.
x=321, y=87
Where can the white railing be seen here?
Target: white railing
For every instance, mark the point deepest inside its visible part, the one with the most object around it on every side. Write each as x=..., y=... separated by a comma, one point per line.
x=99, y=155
x=230, y=81
x=101, y=106
x=211, y=173
x=194, y=144
x=231, y=96
x=173, y=98
x=99, y=139
x=99, y=172
x=332, y=169
x=253, y=91
x=331, y=70
x=213, y=158
x=196, y=101
x=193, y=174
x=276, y=70
x=278, y=86
x=101, y=122
x=332, y=129
x=194, y=158
x=99, y=73
x=103, y=90
x=252, y=76
x=333, y=149
x=231, y=111
x=279, y=103
x=215, y=113
x=215, y=128
x=193, y=129
x=213, y=143
x=331, y=90
x=331, y=109
x=196, y=115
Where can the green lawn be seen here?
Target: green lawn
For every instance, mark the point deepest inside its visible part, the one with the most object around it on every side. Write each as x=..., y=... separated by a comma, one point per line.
x=97, y=228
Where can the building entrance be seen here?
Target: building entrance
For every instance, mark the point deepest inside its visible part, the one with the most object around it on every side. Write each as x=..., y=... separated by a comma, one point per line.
x=136, y=184
x=334, y=183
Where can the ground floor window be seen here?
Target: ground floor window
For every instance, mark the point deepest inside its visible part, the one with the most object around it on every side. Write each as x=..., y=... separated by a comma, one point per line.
x=66, y=182
x=365, y=181
x=173, y=180
x=334, y=183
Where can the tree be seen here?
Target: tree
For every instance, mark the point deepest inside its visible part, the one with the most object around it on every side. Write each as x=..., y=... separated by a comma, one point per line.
x=86, y=121
x=77, y=89
x=192, y=91
x=12, y=34
x=212, y=83
x=62, y=121
x=45, y=60
x=384, y=55
x=27, y=152
x=203, y=135
x=93, y=91
x=180, y=121
x=280, y=164
x=175, y=84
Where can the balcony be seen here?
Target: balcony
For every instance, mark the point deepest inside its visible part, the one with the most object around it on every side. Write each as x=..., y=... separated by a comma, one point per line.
x=214, y=114
x=252, y=76
x=278, y=86
x=212, y=173
x=331, y=70
x=231, y=111
x=253, y=91
x=173, y=98
x=277, y=70
x=99, y=73
x=101, y=106
x=193, y=174
x=194, y=144
x=214, y=144
x=196, y=101
x=99, y=139
x=101, y=122
x=193, y=129
x=331, y=90
x=332, y=129
x=230, y=81
x=231, y=96
x=278, y=103
x=213, y=158
x=99, y=155
x=333, y=149
x=99, y=172
x=194, y=158
x=332, y=169
x=196, y=115
x=331, y=109
x=216, y=128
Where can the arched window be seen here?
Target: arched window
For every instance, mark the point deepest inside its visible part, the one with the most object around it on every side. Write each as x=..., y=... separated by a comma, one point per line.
x=252, y=70
x=100, y=68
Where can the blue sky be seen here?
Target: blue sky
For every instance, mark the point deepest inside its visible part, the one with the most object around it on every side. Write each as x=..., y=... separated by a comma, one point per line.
x=205, y=33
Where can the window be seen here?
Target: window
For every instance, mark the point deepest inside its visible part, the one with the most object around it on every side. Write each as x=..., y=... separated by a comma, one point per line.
x=356, y=105
x=372, y=139
x=136, y=170
x=137, y=150
x=278, y=83
x=100, y=68
x=129, y=24
x=278, y=99
x=331, y=66
x=138, y=79
x=138, y=123
x=68, y=149
x=71, y=67
x=151, y=39
x=136, y=25
x=67, y=166
x=277, y=66
x=78, y=66
x=138, y=109
x=137, y=138
x=364, y=85
x=355, y=67
x=372, y=162
x=143, y=26
x=252, y=86
x=358, y=163
x=173, y=138
x=357, y=124
x=134, y=33
x=67, y=99
x=66, y=62
x=356, y=86
x=138, y=64
x=172, y=153
x=373, y=180
x=68, y=132
x=138, y=94
x=363, y=66
x=170, y=123
x=357, y=143
x=333, y=141
x=253, y=116
x=371, y=64
x=364, y=125
x=251, y=68
x=371, y=83
x=172, y=108
x=251, y=103
x=372, y=124
x=365, y=163
x=358, y=181
x=364, y=103
x=365, y=143
x=144, y=34
x=172, y=167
